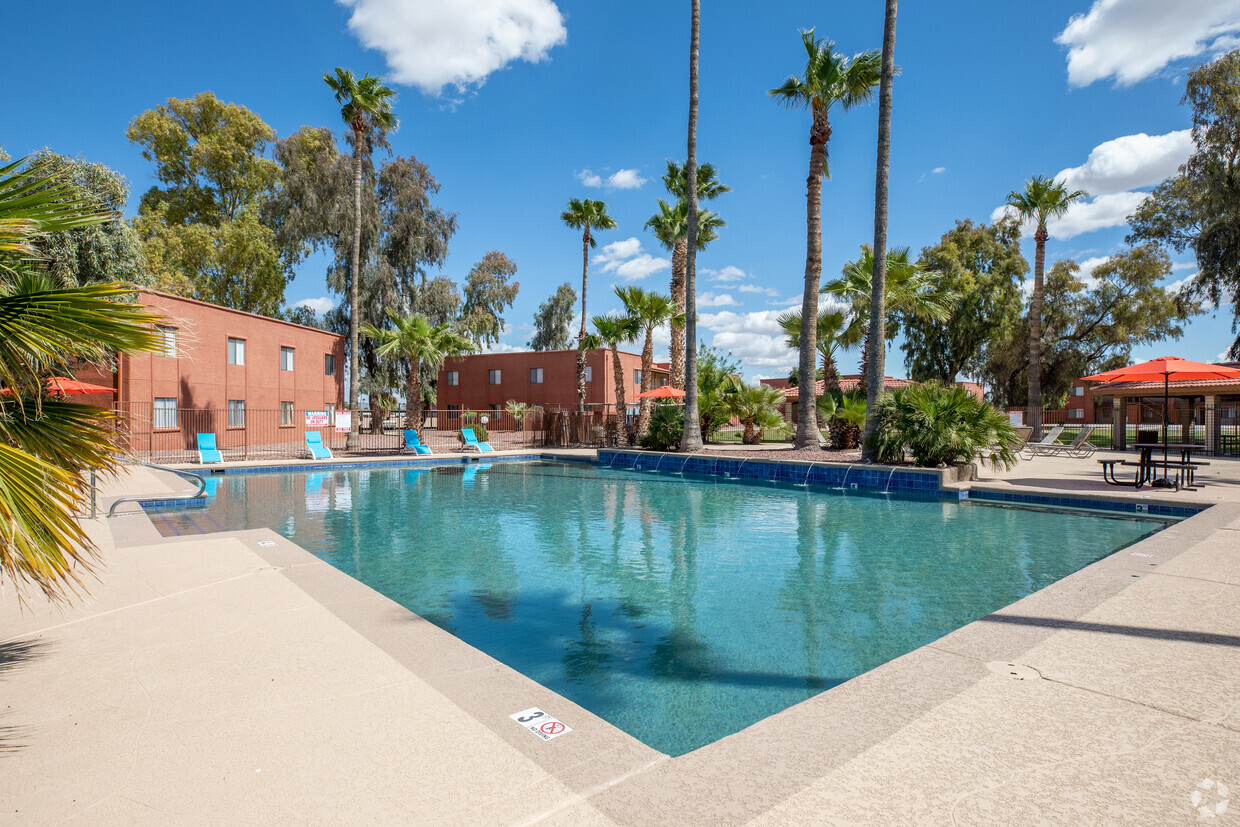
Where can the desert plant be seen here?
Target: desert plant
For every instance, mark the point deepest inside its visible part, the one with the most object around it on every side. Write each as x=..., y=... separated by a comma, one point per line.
x=469, y=419
x=845, y=417
x=516, y=410
x=667, y=426
x=757, y=408
x=942, y=425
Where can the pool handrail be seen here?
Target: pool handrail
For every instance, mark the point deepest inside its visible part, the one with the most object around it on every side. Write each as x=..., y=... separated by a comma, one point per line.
x=189, y=475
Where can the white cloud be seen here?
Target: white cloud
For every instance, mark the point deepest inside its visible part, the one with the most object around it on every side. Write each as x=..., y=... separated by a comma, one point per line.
x=938, y=170
x=759, y=321
x=589, y=179
x=431, y=44
x=716, y=300
x=754, y=288
x=625, y=179
x=729, y=273
x=502, y=347
x=626, y=259
x=1133, y=39
x=1130, y=163
x=320, y=305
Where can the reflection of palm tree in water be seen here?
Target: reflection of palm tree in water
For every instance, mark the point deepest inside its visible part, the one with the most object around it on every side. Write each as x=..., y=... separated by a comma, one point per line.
x=681, y=653
x=800, y=591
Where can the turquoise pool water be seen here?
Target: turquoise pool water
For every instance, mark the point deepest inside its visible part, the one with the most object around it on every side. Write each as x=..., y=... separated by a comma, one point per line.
x=679, y=610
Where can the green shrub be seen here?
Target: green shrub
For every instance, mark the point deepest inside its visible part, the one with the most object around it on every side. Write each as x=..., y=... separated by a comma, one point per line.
x=469, y=419
x=844, y=416
x=667, y=426
x=942, y=425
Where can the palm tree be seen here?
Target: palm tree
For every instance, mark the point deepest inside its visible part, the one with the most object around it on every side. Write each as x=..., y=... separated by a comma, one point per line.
x=692, y=438
x=366, y=106
x=49, y=447
x=829, y=79
x=670, y=226
x=878, y=316
x=832, y=334
x=908, y=289
x=611, y=332
x=650, y=310
x=1041, y=200
x=757, y=408
x=413, y=337
x=585, y=215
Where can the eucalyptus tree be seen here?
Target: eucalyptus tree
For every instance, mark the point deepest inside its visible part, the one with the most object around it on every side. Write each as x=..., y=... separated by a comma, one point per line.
x=692, y=439
x=829, y=79
x=832, y=334
x=585, y=215
x=878, y=321
x=552, y=320
x=422, y=345
x=611, y=332
x=1041, y=200
x=650, y=310
x=366, y=107
x=670, y=226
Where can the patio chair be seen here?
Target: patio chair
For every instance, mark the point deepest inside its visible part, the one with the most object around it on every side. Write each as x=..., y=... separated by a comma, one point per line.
x=1079, y=447
x=314, y=444
x=412, y=443
x=207, y=452
x=471, y=441
x=1049, y=439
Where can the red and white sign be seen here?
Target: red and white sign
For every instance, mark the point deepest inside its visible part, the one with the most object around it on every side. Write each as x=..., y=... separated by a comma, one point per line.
x=344, y=421
x=317, y=419
x=540, y=723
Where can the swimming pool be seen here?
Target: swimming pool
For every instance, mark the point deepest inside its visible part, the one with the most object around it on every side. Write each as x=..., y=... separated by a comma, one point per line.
x=680, y=610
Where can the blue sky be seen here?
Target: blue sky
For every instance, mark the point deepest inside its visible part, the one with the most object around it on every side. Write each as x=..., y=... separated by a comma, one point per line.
x=518, y=105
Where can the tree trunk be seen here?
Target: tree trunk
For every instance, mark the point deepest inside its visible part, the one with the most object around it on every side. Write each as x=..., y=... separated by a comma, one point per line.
x=355, y=268
x=679, y=252
x=1035, y=335
x=643, y=417
x=863, y=378
x=830, y=376
x=622, y=432
x=807, y=412
x=581, y=354
x=750, y=436
x=413, y=394
x=692, y=438
x=876, y=368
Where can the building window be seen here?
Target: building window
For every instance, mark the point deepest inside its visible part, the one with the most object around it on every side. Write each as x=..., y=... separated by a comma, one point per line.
x=286, y=358
x=536, y=376
x=493, y=377
x=165, y=412
x=236, y=413
x=286, y=413
x=637, y=378
x=493, y=408
x=589, y=374
x=454, y=411
x=1079, y=390
x=454, y=378
x=236, y=351
x=329, y=364
x=167, y=337
x=1076, y=413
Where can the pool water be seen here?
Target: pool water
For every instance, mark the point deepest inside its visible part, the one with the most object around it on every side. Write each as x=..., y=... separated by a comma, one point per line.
x=680, y=610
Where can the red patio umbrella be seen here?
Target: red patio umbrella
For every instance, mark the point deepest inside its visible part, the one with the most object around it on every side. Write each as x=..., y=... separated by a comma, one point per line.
x=662, y=392
x=60, y=386
x=1166, y=368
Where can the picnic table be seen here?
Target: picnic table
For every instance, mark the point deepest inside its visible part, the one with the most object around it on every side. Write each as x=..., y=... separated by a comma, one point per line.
x=1184, y=467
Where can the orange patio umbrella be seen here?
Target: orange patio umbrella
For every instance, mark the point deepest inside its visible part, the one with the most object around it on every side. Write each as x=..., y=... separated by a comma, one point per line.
x=61, y=386
x=1166, y=368
x=662, y=392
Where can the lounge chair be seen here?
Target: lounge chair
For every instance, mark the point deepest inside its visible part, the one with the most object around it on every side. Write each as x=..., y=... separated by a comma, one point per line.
x=207, y=452
x=1079, y=447
x=471, y=441
x=314, y=444
x=1027, y=450
x=412, y=443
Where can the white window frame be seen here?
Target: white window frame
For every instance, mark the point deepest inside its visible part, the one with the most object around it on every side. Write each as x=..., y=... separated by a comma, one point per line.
x=236, y=351
x=288, y=414
x=637, y=377
x=495, y=376
x=453, y=378
x=288, y=352
x=536, y=376
x=167, y=340
x=165, y=405
x=589, y=373
x=236, y=413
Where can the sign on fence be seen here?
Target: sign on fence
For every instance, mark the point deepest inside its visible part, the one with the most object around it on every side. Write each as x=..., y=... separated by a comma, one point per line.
x=344, y=422
x=317, y=419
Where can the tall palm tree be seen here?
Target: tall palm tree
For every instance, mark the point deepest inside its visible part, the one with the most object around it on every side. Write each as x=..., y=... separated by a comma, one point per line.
x=909, y=289
x=414, y=338
x=878, y=317
x=829, y=79
x=585, y=215
x=1041, y=200
x=611, y=332
x=49, y=447
x=832, y=334
x=650, y=310
x=692, y=437
x=366, y=106
x=670, y=226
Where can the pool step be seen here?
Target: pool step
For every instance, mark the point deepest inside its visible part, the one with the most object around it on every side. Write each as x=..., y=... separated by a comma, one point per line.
x=175, y=523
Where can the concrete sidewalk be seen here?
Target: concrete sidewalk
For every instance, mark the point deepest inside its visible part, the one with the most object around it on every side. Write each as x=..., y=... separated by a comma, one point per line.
x=221, y=679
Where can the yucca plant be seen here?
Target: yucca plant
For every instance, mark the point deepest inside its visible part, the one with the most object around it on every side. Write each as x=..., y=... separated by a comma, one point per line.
x=48, y=446
x=943, y=425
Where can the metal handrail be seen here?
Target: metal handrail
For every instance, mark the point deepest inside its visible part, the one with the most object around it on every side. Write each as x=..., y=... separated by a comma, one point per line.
x=189, y=475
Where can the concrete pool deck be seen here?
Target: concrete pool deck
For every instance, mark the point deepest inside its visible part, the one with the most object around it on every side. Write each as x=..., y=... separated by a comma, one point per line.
x=219, y=679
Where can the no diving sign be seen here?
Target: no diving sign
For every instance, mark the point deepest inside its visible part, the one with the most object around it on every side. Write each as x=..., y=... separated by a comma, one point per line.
x=540, y=723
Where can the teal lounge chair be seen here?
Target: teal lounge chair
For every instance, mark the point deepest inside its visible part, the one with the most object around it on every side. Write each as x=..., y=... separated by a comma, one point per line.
x=207, y=452
x=314, y=443
x=471, y=441
x=412, y=443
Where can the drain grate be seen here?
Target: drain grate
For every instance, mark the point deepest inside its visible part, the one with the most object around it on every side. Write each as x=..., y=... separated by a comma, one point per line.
x=1015, y=671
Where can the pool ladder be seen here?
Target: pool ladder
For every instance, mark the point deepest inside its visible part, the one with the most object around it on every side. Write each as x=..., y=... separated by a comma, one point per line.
x=189, y=475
